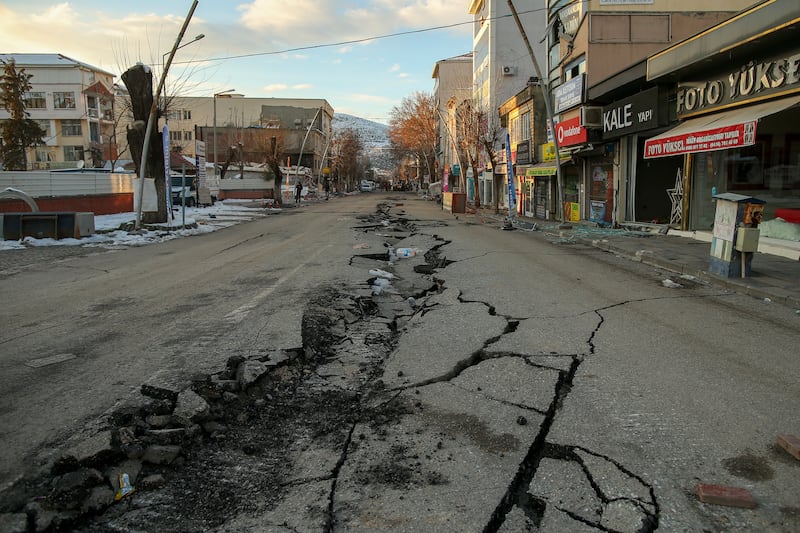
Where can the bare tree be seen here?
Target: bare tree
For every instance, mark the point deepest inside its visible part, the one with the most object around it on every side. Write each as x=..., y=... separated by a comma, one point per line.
x=347, y=152
x=412, y=128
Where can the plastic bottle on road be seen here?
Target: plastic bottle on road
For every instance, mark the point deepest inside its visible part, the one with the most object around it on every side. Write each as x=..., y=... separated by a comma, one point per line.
x=406, y=252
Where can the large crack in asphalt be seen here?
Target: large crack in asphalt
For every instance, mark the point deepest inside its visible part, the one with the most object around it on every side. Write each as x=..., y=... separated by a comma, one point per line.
x=231, y=451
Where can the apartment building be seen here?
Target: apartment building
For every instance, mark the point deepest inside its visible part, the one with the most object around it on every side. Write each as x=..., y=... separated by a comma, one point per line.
x=74, y=103
x=502, y=67
x=452, y=87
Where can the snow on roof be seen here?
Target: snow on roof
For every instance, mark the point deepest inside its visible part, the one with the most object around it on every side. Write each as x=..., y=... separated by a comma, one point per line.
x=49, y=60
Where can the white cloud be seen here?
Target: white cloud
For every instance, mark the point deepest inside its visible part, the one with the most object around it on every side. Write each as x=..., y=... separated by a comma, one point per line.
x=303, y=86
x=394, y=68
x=345, y=49
x=274, y=87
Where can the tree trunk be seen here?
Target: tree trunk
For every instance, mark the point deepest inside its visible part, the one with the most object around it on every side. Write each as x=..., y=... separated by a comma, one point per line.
x=139, y=82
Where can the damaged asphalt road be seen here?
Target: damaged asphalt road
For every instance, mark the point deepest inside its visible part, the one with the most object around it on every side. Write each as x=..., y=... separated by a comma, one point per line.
x=437, y=392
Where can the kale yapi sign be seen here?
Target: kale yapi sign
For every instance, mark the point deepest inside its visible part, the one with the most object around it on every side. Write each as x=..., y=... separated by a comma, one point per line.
x=635, y=113
x=755, y=79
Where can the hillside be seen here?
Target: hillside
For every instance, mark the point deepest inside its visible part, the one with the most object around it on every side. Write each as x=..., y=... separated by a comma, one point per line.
x=374, y=135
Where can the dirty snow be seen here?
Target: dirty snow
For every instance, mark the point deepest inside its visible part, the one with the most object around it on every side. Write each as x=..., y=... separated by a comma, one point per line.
x=108, y=235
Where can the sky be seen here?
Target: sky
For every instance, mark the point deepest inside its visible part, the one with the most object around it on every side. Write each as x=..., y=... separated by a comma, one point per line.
x=362, y=56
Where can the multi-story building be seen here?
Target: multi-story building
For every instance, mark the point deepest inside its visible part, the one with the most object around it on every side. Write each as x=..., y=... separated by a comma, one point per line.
x=452, y=86
x=502, y=67
x=74, y=104
x=588, y=42
x=286, y=125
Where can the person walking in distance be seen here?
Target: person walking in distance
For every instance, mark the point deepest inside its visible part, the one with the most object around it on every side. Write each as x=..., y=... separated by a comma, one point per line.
x=298, y=189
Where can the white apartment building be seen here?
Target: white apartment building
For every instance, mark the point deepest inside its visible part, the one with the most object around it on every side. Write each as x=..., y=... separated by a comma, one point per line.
x=501, y=63
x=74, y=103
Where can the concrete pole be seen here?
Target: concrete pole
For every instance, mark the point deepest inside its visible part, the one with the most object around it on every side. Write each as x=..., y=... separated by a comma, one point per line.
x=548, y=108
x=151, y=118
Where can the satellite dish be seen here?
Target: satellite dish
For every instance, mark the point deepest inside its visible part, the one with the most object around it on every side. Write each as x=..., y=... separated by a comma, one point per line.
x=81, y=163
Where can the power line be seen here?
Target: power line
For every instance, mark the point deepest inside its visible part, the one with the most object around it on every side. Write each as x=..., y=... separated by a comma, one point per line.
x=352, y=41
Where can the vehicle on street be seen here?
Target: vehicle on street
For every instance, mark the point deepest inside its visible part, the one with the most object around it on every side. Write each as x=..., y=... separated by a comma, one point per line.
x=367, y=186
x=183, y=188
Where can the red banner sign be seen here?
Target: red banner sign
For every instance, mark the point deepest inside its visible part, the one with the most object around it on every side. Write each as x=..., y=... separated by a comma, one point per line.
x=571, y=132
x=702, y=141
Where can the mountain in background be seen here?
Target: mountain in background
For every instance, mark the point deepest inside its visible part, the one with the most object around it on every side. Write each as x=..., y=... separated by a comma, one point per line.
x=374, y=135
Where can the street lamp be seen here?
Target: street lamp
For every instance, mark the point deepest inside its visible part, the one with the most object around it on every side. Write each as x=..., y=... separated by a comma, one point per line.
x=163, y=62
x=216, y=169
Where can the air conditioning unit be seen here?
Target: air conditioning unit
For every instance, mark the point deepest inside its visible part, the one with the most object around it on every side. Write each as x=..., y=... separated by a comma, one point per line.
x=592, y=117
x=509, y=70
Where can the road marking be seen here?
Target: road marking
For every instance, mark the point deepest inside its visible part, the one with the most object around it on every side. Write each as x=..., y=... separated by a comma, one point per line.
x=53, y=359
x=238, y=314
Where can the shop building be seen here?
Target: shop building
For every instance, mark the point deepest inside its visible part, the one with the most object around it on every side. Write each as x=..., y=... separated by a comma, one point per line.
x=588, y=42
x=737, y=89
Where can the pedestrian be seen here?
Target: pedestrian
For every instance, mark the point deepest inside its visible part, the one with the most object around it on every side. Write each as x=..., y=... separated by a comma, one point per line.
x=327, y=185
x=298, y=189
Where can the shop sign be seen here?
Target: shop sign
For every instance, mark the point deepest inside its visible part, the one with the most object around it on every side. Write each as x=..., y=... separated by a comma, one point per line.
x=760, y=79
x=523, y=152
x=570, y=132
x=540, y=171
x=638, y=113
x=569, y=94
x=570, y=17
x=703, y=141
x=549, y=152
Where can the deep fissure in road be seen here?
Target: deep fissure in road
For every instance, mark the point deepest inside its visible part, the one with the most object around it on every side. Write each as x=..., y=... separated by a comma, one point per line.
x=240, y=442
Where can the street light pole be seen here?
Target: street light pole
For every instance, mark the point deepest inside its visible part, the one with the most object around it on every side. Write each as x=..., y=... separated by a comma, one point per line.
x=216, y=169
x=163, y=62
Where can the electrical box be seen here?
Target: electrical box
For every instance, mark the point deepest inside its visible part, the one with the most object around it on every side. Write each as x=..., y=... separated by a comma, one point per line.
x=747, y=239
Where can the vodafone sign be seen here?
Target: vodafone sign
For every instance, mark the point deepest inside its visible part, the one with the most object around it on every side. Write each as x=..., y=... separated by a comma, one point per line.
x=571, y=132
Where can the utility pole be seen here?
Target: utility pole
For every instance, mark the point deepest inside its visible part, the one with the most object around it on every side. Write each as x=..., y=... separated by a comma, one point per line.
x=151, y=118
x=548, y=108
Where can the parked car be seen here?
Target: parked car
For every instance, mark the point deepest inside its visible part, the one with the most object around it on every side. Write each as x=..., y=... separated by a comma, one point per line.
x=181, y=189
x=366, y=186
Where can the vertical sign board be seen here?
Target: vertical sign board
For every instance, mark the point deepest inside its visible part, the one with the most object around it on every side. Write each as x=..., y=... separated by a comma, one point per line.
x=200, y=151
x=167, y=180
x=512, y=193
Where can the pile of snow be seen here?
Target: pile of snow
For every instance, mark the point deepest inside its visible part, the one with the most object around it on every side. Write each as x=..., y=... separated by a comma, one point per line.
x=199, y=220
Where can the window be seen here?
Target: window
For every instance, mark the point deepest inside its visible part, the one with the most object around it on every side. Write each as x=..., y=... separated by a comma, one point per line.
x=574, y=68
x=175, y=136
x=45, y=125
x=94, y=132
x=187, y=135
x=186, y=114
x=64, y=100
x=35, y=100
x=71, y=128
x=73, y=153
x=43, y=155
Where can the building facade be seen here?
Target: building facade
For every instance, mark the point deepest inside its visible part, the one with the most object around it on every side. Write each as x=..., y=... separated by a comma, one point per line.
x=501, y=67
x=452, y=87
x=588, y=42
x=74, y=104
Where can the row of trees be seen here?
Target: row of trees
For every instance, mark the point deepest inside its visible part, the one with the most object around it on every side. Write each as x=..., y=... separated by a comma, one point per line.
x=413, y=132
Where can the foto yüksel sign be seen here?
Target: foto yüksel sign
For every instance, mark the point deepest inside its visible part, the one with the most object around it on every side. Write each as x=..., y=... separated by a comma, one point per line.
x=571, y=132
x=702, y=141
x=755, y=79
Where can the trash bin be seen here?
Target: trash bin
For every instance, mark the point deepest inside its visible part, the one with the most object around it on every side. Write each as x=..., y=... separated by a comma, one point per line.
x=735, y=236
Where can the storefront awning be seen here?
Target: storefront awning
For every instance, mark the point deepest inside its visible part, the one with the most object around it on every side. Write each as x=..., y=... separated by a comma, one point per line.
x=548, y=168
x=717, y=131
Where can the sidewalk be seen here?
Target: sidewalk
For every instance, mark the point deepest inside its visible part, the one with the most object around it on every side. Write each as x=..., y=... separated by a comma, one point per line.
x=775, y=276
